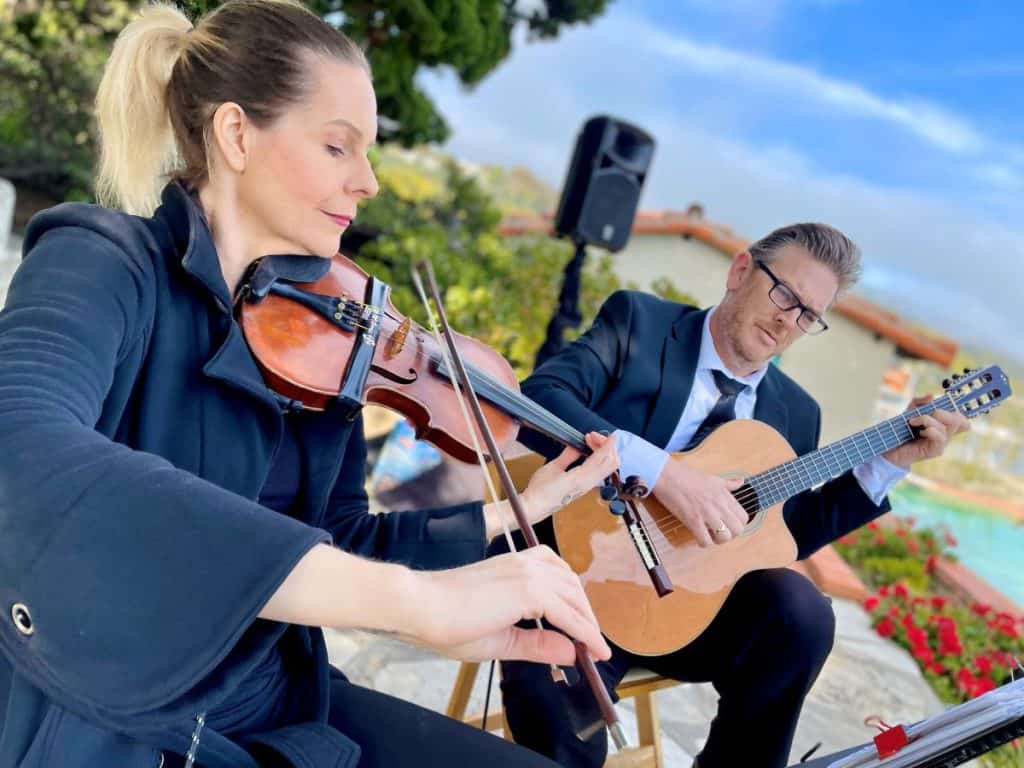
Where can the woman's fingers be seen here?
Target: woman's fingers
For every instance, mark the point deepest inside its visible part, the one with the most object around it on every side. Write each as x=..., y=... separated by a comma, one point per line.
x=544, y=646
x=599, y=465
x=553, y=592
x=566, y=457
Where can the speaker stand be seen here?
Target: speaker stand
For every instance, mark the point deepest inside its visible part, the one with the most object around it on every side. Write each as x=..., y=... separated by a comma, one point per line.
x=568, y=313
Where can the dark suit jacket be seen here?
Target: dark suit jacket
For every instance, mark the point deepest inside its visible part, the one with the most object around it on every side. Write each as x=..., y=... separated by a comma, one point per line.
x=634, y=369
x=136, y=434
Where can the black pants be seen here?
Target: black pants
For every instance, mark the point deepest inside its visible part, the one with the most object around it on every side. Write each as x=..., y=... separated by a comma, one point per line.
x=762, y=653
x=396, y=734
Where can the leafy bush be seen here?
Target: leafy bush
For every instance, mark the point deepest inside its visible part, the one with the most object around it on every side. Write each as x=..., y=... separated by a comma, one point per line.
x=962, y=650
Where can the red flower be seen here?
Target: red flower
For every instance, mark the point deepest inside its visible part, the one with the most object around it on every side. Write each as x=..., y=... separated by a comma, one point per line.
x=918, y=601
x=923, y=653
x=936, y=667
x=982, y=609
x=871, y=603
x=912, y=547
x=885, y=628
x=949, y=641
x=883, y=591
x=872, y=526
x=983, y=664
x=879, y=539
x=901, y=591
x=848, y=539
x=917, y=637
x=938, y=603
x=894, y=611
x=965, y=679
x=950, y=540
x=982, y=685
x=950, y=647
x=1009, y=631
x=930, y=565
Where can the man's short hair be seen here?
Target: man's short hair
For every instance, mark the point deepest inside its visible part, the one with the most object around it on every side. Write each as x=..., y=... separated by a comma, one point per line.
x=826, y=244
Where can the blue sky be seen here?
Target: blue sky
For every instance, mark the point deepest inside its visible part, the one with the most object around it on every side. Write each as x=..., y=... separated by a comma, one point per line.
x=899, y=122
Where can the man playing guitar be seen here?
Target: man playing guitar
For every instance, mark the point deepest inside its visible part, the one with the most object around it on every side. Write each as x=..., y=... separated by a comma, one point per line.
x=662, y=376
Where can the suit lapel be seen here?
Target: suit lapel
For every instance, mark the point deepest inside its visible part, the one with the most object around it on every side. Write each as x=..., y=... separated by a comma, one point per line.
x=678, y=366
x=770, y=406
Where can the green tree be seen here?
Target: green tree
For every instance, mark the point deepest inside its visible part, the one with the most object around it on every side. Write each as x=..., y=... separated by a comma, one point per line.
x=52, y=54
x=470, y=36
x=497, y=289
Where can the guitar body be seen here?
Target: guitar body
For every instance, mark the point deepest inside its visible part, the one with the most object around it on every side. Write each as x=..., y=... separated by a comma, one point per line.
x=598, y=547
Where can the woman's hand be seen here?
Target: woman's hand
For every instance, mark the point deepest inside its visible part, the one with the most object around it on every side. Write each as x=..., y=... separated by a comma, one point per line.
x=470, y=612
x=552, y=487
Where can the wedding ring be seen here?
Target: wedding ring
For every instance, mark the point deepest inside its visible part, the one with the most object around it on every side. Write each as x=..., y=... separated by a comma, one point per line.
x=720, y=530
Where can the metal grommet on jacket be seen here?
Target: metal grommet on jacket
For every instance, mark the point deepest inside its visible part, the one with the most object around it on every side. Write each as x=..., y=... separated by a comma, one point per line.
x=22, y=619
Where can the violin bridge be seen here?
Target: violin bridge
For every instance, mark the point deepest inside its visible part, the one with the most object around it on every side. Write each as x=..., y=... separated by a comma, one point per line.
x=398, y=338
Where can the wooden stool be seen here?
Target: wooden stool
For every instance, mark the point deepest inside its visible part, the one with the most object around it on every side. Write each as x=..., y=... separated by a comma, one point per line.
x=639, y=684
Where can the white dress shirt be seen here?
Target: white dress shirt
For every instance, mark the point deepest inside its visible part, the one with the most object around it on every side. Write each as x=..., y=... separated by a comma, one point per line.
x=645, y=460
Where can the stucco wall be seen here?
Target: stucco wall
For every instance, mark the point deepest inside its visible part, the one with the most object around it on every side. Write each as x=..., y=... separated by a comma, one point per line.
x=842, y=369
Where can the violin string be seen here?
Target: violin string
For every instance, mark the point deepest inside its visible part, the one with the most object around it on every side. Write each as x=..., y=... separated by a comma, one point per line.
x=418, y=282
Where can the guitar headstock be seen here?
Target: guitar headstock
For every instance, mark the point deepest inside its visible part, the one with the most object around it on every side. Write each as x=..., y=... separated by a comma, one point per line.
x=978, y=390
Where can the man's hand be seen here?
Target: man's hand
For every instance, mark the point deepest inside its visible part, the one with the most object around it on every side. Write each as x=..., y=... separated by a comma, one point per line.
x=703, y=502
x=935, y=430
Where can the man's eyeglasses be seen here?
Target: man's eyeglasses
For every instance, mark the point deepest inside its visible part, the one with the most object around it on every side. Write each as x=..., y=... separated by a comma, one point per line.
x=782, y=296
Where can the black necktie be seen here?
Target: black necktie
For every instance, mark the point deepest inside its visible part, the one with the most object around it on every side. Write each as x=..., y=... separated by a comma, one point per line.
x=724, y=410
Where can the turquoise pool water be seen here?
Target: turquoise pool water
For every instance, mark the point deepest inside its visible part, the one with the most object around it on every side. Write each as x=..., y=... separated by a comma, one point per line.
x=989, y=544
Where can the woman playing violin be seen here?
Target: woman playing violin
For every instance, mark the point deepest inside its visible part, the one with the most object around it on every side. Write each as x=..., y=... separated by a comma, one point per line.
x=171, y=536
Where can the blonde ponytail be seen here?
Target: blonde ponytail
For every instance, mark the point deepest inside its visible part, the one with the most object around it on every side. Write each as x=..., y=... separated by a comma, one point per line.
x=138, y=151
x=165, y=79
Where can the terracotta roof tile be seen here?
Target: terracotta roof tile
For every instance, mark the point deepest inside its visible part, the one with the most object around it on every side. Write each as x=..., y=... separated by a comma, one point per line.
x=882, y=321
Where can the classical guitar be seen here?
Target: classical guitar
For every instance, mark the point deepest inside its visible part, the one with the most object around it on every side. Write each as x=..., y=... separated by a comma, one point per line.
x=602, y=547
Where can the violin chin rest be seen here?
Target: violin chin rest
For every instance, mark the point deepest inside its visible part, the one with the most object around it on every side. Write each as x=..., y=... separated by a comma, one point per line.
x=291, y=268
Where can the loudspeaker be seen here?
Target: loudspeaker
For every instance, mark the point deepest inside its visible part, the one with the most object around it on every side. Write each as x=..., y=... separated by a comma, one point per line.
x=602, y=188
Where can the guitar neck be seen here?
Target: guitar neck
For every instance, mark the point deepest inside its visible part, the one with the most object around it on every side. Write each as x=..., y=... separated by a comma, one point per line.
x=780, y=483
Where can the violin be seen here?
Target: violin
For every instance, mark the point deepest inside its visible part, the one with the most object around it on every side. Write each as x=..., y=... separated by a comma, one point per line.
x=325, y=333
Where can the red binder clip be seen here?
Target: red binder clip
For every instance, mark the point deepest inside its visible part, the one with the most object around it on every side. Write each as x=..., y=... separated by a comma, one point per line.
x=890, y=739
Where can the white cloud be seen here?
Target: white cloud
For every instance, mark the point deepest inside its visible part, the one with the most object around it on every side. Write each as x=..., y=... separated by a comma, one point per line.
x=996, y=175
x=927, y=121
x=935, y=260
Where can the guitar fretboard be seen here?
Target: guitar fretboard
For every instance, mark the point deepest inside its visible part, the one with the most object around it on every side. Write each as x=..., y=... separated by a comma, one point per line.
x=798, y=475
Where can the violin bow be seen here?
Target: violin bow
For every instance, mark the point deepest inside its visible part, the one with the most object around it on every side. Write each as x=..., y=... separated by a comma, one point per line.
x=584, y=662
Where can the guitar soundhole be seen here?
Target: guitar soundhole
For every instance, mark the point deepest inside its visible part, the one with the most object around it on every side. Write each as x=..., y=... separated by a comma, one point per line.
x=746, y=495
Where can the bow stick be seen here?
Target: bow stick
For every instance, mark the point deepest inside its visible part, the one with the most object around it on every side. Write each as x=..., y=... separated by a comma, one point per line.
x=583, y=660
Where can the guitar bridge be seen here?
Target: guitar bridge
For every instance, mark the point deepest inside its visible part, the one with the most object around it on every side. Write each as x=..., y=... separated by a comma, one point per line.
x=647, y=551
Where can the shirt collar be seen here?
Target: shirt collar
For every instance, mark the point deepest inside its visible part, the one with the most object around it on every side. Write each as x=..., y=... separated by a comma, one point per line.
x=193, y=240
x=710, y=360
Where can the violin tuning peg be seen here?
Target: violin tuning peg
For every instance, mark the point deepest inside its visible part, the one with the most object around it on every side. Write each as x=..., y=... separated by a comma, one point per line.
x=617, y=507
x=967, y=370
x=946, y=383
x=634, y=486
x=608, y=491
